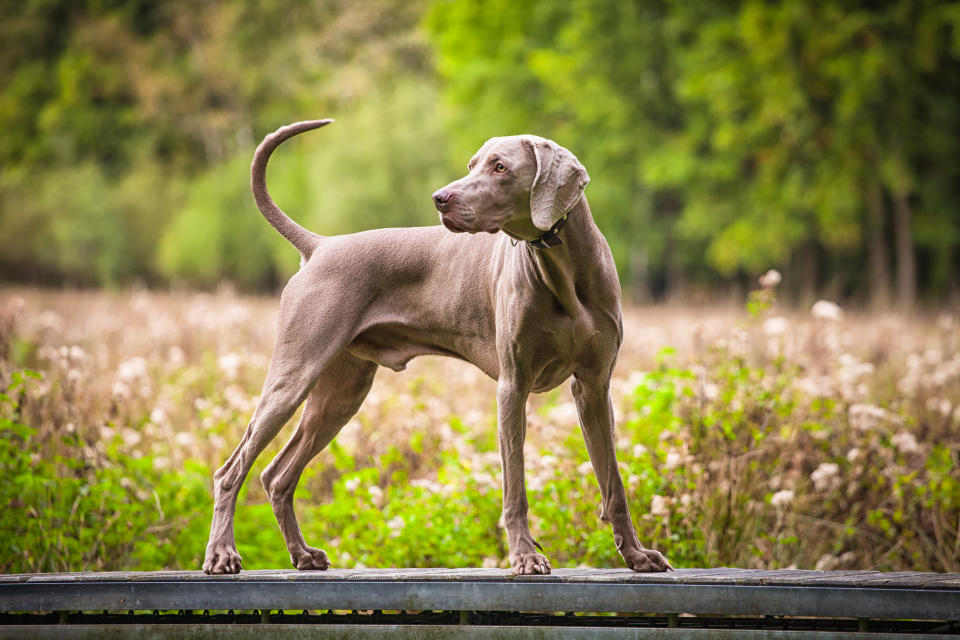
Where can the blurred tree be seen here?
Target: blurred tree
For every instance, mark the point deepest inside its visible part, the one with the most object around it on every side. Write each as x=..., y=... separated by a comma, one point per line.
x=814, y=128
x=722, y=138
x=572, y=72
x=755, y=133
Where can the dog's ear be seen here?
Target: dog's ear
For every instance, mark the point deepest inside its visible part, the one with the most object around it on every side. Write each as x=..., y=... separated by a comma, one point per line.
x=558, y=184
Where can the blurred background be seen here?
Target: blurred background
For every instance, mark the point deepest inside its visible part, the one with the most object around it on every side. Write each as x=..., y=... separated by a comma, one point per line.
x=722, y=138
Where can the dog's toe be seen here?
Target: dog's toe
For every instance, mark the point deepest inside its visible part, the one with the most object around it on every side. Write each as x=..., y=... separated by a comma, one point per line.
x=534, y=563
x=221, y=559
x=312, y=560
x=647, y=561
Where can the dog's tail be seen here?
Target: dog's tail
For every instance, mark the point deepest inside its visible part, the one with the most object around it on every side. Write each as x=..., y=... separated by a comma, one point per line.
x=305, y=241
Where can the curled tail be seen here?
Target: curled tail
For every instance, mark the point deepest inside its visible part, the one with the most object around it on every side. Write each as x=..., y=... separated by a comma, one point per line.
x=305, y=241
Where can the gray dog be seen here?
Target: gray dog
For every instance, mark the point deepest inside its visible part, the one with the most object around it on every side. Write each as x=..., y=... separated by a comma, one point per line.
x=530, y=307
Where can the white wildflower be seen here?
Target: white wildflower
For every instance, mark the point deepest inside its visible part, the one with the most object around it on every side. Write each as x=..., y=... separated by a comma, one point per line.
x=905, y=442
x=131, y=437
x=770, y=279
x=782, y=498
x=185, y=439
x=535, y=483
x=635, y=379
x=940, y=405
x=175, y=356
x=853, y=454
x=376, y=495
x=710, y=391
x=396, y=525
x=739, y=341
x=565, y=413
x=826, y=310
x=352, y=484
x=585, y=468
x=236, y=398
x=639, y=451
x=50, y=321
x=674, y=459
x=132, y=370
x=866, y=417
x=229, y=363
x=776, y=326
x=825, y=477
x=660, y=506
x=490, y=562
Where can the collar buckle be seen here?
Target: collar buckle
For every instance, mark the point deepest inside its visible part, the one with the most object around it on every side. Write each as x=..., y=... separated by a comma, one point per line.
x=550, y=238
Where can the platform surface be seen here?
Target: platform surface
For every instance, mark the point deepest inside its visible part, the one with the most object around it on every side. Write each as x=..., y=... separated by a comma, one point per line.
x=483, y=604
x=719, y=591
x=715, y=576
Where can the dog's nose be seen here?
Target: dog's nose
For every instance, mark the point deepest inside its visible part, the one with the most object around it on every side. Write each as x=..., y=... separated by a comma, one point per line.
x=441, y=197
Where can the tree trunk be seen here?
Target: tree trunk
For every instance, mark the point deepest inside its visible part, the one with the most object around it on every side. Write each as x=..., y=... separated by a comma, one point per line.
x=906, y=261
x=638, y=268
x=877, y=257
x=809, y=273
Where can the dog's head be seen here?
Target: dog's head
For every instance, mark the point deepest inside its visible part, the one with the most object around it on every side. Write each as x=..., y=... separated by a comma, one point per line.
x=524, y=182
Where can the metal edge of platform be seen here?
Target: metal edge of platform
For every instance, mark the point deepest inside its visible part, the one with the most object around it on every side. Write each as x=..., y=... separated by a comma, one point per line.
x=827, y=602
x=400, y=632
x=716, y=575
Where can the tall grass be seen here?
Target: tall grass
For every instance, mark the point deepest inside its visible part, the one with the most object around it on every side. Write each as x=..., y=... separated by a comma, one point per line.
x=758, y=439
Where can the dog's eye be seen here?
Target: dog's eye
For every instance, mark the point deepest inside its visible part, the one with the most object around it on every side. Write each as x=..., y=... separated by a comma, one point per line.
x=500, y=168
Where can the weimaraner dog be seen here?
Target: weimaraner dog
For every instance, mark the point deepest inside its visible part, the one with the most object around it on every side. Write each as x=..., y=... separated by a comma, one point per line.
x=530, y=307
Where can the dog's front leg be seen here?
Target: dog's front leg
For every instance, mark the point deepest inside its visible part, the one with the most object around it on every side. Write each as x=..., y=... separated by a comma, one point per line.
x=596, y=421
x=512, y=429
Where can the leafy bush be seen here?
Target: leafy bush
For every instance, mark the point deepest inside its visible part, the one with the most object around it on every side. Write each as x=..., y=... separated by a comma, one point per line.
x=763, y=440
x=67, y=507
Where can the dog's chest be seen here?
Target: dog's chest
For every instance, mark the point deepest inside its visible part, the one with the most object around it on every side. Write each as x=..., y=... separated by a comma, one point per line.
x=557, y=349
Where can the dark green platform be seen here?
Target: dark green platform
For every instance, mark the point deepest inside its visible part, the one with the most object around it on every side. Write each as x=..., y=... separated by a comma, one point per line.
x=684, y=603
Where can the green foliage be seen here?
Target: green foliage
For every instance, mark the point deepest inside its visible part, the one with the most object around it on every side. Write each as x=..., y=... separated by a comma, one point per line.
x=63, y=512
x=750, y=134
x=766, y=445
x=721, y=139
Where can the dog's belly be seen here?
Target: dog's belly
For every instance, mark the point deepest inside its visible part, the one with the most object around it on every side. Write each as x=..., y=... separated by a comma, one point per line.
x=394, y=345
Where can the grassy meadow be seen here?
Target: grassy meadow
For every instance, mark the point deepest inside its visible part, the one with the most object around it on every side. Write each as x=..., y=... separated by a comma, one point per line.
x=759, y=437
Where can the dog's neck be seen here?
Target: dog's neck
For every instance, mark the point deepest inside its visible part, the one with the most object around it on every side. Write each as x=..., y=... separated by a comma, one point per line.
x=567, y=270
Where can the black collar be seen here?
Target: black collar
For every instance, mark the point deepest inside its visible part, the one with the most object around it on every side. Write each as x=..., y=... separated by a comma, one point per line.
x=549, y=238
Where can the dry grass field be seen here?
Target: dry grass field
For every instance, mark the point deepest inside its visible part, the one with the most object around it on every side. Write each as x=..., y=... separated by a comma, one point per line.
x=768, y=439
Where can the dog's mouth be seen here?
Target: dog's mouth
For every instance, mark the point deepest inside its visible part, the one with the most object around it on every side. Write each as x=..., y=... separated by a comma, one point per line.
x=459, y=226
x=452, y=225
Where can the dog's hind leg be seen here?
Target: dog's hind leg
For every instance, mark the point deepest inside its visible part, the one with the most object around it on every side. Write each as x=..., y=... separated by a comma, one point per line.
x=306, y=342
x=335, y=398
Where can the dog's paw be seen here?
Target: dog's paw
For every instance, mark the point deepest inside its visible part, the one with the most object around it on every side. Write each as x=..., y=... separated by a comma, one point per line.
x=220, y=559
x=310, y=559
x=532, y=563
x=646, y=561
